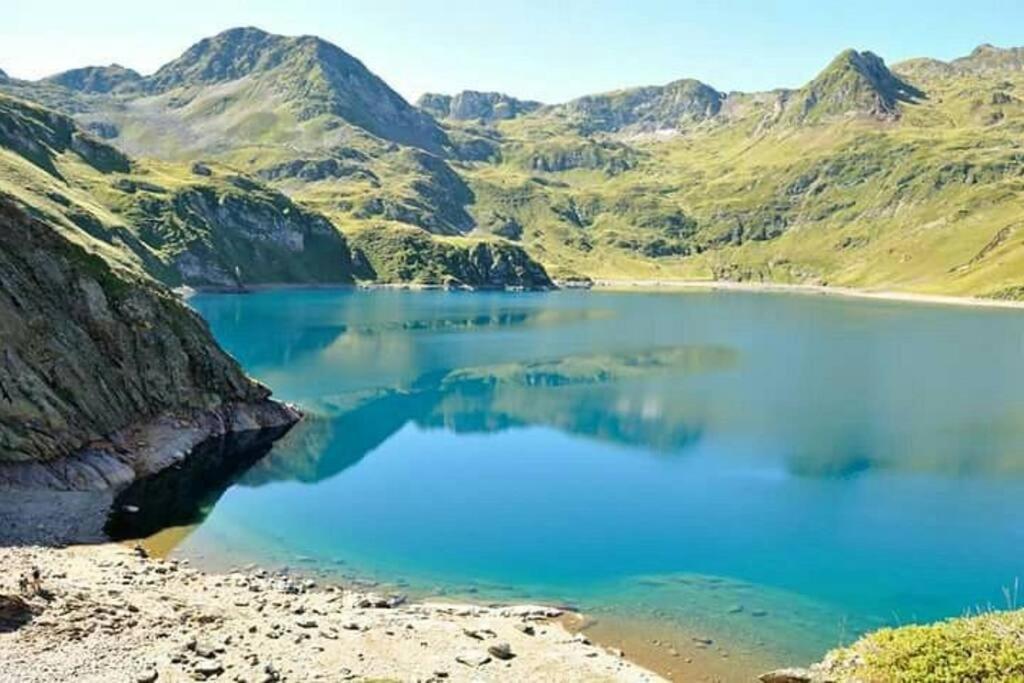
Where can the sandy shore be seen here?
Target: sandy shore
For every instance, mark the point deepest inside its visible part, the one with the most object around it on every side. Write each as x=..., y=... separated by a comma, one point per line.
x=848, y=292
x=106, y=613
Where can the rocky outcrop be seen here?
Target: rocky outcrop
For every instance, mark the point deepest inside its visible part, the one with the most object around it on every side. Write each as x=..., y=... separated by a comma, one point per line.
x=640, y=110
x=245, y=235
x=397, y=255
x=854, y=83
x=105, y=376
x=471, y=105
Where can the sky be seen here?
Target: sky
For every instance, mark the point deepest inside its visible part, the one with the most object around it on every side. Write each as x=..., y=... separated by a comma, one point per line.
x=549, y=50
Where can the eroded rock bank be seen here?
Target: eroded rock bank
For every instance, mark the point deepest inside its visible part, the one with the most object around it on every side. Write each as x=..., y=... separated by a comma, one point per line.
x=107, y=612
x=105, y=375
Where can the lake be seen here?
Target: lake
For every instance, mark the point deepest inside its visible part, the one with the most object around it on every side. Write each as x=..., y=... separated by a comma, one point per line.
x=777, y=473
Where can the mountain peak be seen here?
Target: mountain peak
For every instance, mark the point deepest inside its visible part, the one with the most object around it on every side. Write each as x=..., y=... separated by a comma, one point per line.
x=227, y=56
x=308, y=76
x=475, y=105
x=96, y=79
x=645, y=109
x=988, y=58
x=854, y=83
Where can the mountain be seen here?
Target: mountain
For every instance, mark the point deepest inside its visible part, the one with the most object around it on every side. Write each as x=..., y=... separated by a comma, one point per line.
x=989, y=58
x=204, y=224
x=470, y=105
x=854, y=83
x=653, y=108
x=903, y=178
x=97, y=79
x=195, y=225
x=265, y=82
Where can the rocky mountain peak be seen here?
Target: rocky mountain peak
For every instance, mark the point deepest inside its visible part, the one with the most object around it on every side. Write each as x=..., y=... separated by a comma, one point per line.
x=470, y=105
x=988, y=58
x=669, y=107
x=854, y=83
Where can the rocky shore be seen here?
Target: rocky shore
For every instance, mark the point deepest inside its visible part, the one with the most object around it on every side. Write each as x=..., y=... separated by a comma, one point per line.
x=110, y=613
x=146, y=448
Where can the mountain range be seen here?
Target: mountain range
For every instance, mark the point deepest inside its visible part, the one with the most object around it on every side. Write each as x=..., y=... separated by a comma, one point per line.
x=255, y=157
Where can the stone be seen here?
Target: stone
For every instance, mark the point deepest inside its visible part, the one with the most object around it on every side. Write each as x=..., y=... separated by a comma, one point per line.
x=14, y=610
x=501, y=651
x=209, y=669
x=792, y=675
x=148, y=676
x=526, y=628
x=472, y=659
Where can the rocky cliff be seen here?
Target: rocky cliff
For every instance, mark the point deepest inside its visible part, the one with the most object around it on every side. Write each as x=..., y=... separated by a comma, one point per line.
x=104, y=375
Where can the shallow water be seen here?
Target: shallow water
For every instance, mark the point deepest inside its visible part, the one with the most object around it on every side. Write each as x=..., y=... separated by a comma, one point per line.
x=780, y=472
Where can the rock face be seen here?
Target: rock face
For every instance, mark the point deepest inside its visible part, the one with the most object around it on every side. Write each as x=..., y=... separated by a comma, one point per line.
x=471, y=105
x=89, y=351
x=234, y=238
x=410, y=255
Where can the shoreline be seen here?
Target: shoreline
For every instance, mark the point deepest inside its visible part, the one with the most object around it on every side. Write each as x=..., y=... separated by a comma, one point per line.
x=627, y=284
x=807, y=290
x=110, y=612
x=148, y=447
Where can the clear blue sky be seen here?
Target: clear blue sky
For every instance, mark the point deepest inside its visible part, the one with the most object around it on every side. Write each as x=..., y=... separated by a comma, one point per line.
x=550, y=50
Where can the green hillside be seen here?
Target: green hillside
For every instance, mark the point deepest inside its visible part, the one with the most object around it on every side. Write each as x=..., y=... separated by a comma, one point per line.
x=907, y=178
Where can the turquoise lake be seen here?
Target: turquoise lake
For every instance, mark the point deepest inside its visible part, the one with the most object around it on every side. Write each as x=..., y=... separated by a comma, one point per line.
x=780, y=471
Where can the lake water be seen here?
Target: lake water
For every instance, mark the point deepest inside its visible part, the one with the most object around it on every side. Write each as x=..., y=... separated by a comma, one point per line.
x=781, y=472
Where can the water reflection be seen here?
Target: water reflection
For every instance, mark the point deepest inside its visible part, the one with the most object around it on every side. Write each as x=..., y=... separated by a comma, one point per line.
x=825, y=388
x=596, y=396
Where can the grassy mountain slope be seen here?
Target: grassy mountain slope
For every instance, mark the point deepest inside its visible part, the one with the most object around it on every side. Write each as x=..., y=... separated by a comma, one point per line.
x=862, y=178
x=906, y=178
x=183, y=225
x=207, y=224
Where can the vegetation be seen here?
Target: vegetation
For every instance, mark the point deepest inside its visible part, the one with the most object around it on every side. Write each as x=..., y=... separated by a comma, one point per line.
x=906, y=178
x=988, y=647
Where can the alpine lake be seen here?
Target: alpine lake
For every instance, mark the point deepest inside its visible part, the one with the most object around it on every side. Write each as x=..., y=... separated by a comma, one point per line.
x=721, y=480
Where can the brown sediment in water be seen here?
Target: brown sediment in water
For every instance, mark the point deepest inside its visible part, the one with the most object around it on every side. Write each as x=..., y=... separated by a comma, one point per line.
x=672, y=651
